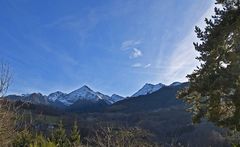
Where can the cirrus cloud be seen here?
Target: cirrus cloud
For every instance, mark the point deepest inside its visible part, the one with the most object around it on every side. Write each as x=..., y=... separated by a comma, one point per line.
x=129, y=44
x=147, y=65
x=136, y=53
x=137, y=65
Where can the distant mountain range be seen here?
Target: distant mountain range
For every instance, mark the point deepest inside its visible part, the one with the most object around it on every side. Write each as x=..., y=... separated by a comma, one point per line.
x=150, y=88
x=154, y=100
x=60, y=98
x=84, y=98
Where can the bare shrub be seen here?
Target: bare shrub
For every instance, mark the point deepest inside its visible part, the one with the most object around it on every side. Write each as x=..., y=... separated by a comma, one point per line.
x=7, y=115
x=120, y=137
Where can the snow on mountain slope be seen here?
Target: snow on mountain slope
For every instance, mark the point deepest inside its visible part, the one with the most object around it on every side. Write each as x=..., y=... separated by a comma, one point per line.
x=83, y=93
x=106, y=98
x=56, y=95
x=115, y=98
x=65, y=102
x=147, y=89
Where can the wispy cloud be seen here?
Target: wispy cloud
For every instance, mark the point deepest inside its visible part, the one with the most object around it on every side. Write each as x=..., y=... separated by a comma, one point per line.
x=137, y=65
x=62, y=22
x=147, y=65
x=129, y=44
x=182, y=61
x=79, y=24
x=63, y=56
x=136, y=53
x=140, y=65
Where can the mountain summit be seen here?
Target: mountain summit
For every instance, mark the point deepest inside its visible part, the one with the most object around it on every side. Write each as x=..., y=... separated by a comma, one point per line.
x=147, y=89
x=83, y=93
x=150, y=88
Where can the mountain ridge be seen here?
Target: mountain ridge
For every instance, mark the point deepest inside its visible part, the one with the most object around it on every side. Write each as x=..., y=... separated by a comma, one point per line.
x=84, y=94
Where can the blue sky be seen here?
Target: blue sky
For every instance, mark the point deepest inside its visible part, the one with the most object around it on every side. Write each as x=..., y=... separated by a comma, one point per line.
x=114, y=46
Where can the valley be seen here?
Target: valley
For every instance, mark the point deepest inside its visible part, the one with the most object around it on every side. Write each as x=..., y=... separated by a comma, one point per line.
x=158, y=112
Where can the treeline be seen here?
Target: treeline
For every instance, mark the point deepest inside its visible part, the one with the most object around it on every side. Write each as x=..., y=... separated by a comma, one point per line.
x=101, y=137
x=58, y=138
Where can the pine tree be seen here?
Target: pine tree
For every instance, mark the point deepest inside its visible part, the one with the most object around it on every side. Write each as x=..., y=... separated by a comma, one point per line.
x=75, y=135
x=41, y=141
x=214, y=87
x=59, y=136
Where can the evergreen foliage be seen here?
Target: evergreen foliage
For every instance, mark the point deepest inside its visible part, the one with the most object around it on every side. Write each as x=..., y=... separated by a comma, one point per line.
x=59, y=136
x=75, y=136
x=41, y=141
x=214, y=87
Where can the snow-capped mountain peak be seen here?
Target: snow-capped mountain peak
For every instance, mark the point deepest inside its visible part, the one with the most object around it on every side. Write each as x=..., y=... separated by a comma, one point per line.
x=147, y=89
x=85, y=87
x=82, y=93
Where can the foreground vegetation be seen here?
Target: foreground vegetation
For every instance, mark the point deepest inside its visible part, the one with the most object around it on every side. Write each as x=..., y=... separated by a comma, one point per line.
x=103, y=137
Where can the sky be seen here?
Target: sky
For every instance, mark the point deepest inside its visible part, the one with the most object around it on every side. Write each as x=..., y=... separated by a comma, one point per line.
x=113, y=46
